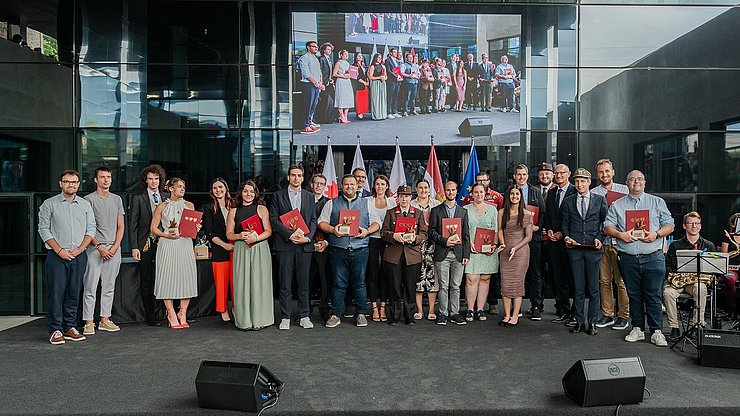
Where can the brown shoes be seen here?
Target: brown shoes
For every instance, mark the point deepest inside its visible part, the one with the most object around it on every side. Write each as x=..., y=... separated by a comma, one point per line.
x=73, y=334
x=56, y=338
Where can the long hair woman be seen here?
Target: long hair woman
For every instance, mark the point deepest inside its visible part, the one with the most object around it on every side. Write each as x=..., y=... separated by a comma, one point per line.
x=215, y=214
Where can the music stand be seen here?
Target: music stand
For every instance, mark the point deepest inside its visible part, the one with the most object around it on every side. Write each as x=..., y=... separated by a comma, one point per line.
x=693, y=261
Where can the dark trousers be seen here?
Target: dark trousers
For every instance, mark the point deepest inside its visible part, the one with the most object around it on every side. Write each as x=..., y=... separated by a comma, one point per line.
x=585, y=268
x=494, y=291
x=644, y=277
x=63, y=286
x=376, y=284
x=348, y=268
x=562, y=278
x=471, y=93
x=508, y=95
x=393, y=90
x=533, y=278
x=320, y=278
x=152, y=306
x=485, y=95
x=425, y=98
x=325, y=111
x=402, y=286
x=294, y=262
x=311, y=101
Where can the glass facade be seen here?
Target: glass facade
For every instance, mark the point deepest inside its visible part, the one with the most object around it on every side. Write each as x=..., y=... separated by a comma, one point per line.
x=205, y=89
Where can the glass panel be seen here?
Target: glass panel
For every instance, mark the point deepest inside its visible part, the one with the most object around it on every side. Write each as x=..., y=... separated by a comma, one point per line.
x=113, y=31
x=643, y=99
x=266, y=92
x=32, y=160
x=676, y=37
x=193, y=32
x=112, y=95
x=548, y=97
x=14, y=285
x=715, y=211
x=550, y=36
x=36, y=95
x=662, y=2
x=191, y=96
x=265, y=157
x=14, y=226
x=266, y=33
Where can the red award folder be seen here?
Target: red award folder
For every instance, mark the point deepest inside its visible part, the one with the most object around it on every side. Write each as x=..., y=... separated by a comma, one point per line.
x=406, y=226
x=638, y=220
x=253, y=223
x=535, y=211
x=451, y=228
x=612, y=196
x=484, y=240
x=352, y=72
x=188, y=223
x=397, y=70
x=293, y=220
x=349, y=222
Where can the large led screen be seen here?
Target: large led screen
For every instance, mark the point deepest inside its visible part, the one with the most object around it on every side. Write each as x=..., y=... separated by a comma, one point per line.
x=388, y=76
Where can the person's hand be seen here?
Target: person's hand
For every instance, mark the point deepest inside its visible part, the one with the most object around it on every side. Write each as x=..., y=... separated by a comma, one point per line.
x=321, y=246
x=363, y=233
x=399, y=238
x=500, y=248
x=627, y=237
x=597, y=243
x=198, y=226
x=113, y=250
x=465, y=262
x=65, y=254
x=513, y=250
x=451, y=243
x=296, y=239
x=136, y=254
x=569, y=242
x=336, y=231
x=243, y=235
x=650, y=237
x=493, y=250
x=550, y=235
x=322, y=87
x=228, y=247
x=251, y=238
x=472, y=248
x=558, y=236
x=104, y=252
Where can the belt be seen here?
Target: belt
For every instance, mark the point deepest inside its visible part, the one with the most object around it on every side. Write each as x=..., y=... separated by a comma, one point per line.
x=640, y=256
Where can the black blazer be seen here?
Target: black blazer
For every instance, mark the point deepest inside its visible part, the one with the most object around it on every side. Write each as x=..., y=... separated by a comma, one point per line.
x=279, y=205
x=462, y=251
x=140, y=219
x=326, y=69
x=553, y=214
x=575, y=227
x=389, y=65
x=535, y=198
x=214, y=225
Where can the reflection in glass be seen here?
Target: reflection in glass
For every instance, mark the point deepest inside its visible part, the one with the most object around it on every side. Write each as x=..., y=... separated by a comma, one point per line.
x=265, y=157
x=36, y=95
x=31, y=160
x=14, y=285
x=266, y=92
x=111, y=95
x=549, y=96
x=112, y=31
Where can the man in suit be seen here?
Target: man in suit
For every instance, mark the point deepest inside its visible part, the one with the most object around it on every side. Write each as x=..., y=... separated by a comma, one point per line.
x=471, y=91
x=393, y=85
x=293, y=247
x=361, y=176
x=320, y=255
x=143, y=243
x=486, y=72
x=450, y=257
x=561, y=276
x=532, y=196
x=325, y=110
x=544, y=183
x=583, y=220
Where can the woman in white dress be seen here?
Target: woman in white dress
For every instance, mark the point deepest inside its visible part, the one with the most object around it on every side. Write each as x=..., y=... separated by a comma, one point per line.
x=344, y=95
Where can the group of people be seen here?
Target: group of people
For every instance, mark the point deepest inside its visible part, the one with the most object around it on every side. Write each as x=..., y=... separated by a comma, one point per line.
x=385, y=252
x=398, y=86
x=410, y=23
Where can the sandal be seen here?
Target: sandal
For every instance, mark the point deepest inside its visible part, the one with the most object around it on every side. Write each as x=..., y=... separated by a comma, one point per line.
x=376, y=316
x=383, y=317
x=418, y=316
x=431, y=317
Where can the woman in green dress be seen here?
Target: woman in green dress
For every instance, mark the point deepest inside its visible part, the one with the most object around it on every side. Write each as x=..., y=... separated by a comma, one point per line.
x=481, y=266
x=253, y=301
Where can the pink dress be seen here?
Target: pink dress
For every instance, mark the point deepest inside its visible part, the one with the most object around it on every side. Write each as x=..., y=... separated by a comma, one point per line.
x=460, y=80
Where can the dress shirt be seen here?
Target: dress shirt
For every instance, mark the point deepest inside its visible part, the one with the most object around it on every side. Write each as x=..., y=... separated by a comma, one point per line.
x=326, y=212
x=68, y=222
x=451, y=211
x=659, y=217
x=616, y=187
x=295, y=198
x=561, y=193
x=524, y=189
x=582, y=203
x=155, y=197
x=310, y=67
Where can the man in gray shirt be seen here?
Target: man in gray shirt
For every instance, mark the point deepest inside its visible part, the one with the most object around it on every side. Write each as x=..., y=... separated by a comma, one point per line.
x=67, y=226
x=103, y=254
x=311, y=85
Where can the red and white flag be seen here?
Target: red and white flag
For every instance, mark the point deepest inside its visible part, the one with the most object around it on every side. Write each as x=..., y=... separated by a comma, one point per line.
x=331, y=190
x=398, y=175
x=359, y=162
x=434, y=177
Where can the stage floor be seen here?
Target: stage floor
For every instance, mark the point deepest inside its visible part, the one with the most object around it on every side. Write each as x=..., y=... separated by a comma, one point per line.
x=479, y=368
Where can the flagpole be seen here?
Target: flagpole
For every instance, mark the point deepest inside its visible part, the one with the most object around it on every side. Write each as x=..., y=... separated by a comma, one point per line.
x=432, y=140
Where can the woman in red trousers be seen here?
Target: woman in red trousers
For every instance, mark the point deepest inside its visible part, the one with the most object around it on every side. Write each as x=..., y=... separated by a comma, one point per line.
x=214, y=225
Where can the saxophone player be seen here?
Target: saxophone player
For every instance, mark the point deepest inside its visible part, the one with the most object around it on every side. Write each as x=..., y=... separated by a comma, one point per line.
x=674, y=285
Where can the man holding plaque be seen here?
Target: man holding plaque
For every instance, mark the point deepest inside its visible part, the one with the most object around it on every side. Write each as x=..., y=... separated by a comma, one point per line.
x=404, y=229
x=640, y=256
x=608, y=269
x=583, y=218
x=291, y=210
x=348, y=222
x=448, y=228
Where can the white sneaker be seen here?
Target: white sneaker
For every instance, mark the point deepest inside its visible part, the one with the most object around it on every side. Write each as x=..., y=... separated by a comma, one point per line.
x=390, y=116
x=635, y=335
x=503, y=110
x=514, y=110
x=658, y=339
x=306, y=323
x=284, y=324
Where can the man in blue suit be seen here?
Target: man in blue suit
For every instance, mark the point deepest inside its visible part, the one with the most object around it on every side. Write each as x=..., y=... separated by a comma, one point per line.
x=583, y=220
x=294, y=249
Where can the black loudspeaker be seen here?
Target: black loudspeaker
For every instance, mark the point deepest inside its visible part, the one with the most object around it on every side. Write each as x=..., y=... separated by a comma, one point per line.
x=719, y=348
x=236, y=386
x=476, y=126
x=605, y=382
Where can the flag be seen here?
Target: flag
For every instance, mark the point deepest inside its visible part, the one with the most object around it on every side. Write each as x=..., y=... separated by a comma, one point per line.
x=375, y=50
x=412, y=51
x=398, y=176
x=359, y=162
x=385, y=51
x=434, y=177
x=331, y=190
x=470, y=172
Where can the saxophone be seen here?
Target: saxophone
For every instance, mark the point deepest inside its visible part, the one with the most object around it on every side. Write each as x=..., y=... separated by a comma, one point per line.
x=735, y=252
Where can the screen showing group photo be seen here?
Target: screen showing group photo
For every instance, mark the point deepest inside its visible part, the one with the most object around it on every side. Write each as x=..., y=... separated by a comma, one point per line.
x=406, y=76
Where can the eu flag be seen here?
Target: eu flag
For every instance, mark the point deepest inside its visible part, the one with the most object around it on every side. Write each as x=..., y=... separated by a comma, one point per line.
x=470, y=173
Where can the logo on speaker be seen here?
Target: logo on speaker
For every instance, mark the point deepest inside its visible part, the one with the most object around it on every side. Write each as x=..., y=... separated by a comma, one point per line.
x=613, y=369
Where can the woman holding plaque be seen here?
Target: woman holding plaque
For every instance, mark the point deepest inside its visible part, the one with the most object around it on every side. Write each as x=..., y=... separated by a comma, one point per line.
x=483, y=263
x=248, y=225
x=344, y=97
x=377, y=76
x=427, y=281
x=176, y=272
x=360, y=85
x=215, y=214
x=515, y=232
x=731, y=244
x=379, y=203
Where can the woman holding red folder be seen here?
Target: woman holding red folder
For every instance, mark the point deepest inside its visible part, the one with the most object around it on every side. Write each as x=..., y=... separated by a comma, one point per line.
x=248, y=225
x=215, y=214
x=176, y=272
x=482, y=265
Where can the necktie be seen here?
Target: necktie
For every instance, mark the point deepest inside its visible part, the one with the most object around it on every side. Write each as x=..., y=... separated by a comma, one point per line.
x=156, y=198
x=560, y=191
x=583, y=207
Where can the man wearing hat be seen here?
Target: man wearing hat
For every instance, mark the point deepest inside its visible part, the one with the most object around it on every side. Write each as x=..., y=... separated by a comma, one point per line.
x=583, y=219
x=544, y=183
x=402, y=257
x=544, y=177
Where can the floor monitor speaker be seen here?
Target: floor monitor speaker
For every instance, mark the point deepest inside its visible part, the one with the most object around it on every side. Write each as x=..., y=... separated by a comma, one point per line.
x=605, y=382
x=719, y=348
x=236, y=386
x=476, y=126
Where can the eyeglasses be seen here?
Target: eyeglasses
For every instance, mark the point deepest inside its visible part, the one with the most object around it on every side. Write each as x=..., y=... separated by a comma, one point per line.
x=320, y=183
x=693, y=224
x=561, y=173
x=639, y=179
x=70, y=182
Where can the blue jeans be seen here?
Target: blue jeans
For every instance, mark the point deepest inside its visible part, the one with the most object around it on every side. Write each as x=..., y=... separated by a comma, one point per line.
x=644, y=278
x=508, y=89
x=349, y=269
x=63, y=286
x=409, y=104
x=311, y=97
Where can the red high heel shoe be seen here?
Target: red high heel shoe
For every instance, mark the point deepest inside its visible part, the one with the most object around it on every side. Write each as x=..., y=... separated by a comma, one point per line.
x=183, y=318
x=172, y=317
